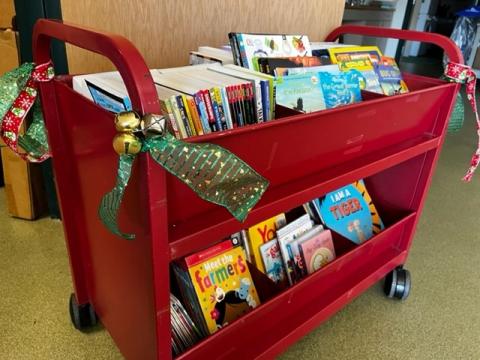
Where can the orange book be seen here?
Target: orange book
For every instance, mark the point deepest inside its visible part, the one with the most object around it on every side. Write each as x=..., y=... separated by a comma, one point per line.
x=195, y=116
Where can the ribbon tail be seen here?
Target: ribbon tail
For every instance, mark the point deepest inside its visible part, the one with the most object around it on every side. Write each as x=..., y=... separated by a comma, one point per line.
x=35, y=142
x=212, y=172
x=110, y=203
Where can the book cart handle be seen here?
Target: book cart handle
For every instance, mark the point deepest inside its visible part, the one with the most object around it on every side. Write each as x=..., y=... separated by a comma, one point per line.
x=121, y=52
x=448, y=46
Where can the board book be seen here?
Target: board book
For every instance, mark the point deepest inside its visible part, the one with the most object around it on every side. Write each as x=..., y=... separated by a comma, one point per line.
x=260, y=234
x=217, y=285
x=272, y=261
x=350, y=212
x=317, y=251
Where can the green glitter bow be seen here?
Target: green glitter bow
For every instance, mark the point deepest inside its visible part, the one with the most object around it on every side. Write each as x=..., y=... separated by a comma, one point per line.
x=214, y=173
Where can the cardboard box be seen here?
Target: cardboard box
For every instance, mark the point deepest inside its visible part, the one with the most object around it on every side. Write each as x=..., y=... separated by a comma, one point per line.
x=23, y=181
x=23, y=186
x=7, y=11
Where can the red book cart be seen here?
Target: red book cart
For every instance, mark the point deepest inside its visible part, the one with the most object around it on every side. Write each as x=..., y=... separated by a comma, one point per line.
x=391, y=142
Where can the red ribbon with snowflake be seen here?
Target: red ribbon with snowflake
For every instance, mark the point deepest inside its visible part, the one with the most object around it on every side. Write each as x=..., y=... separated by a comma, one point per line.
x=14, y=117
x=464, y=74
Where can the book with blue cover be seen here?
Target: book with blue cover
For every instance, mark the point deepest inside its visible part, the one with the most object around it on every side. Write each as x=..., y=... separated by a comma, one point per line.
x=300, y=92
x=350, y=212
x=340, y=88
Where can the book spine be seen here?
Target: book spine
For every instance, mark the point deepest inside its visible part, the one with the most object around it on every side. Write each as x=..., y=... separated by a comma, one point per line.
x=243, y=54
x=235, y=51
x=252, y=102
x=211, y=116
x=245, y=241
x=226, y=107
x=183, y=114
x=265, y=100
x=195, y=115
x=246, y=104
x=190, y=299
x=231, y=105
x=188, y=114
x=239, y=105
x=167, y=111
x=221, y=108
x=259, y=103
x=178, y=117
x=203, y=112
x=218, y=121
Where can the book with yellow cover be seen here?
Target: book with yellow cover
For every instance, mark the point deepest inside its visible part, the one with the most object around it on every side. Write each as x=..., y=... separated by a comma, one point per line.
x=224, y=288
x=355, y=52
x=260, y=234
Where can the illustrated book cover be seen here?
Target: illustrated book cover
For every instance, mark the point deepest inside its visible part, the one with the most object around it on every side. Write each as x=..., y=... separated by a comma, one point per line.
x=222, y=287
x=317, y=251
x=350, y=212
x=272, y=260
x=260, y=234
x=300, y=92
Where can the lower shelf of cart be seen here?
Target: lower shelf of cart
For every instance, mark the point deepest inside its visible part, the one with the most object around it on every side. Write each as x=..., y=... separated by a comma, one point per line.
x=201, y=231
x=283, y=319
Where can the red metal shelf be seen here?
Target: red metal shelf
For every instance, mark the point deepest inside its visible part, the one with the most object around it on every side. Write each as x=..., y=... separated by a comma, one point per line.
x=202, y=231
x=305, y=305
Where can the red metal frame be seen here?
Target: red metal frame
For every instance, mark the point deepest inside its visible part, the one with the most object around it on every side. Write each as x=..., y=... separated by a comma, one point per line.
x=391, y=142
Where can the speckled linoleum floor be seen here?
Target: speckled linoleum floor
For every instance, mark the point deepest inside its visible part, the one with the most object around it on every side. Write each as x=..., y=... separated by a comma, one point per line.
x=440, y=319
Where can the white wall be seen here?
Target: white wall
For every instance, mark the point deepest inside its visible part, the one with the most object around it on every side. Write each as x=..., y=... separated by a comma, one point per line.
x=397, y=21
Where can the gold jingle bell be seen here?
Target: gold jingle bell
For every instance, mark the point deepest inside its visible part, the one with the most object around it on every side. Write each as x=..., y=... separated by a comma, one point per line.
x=125, y=143
x=127, y=121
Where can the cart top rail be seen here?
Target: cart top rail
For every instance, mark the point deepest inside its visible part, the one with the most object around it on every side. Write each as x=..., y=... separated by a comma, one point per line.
x=448, y=46
x=121, y=52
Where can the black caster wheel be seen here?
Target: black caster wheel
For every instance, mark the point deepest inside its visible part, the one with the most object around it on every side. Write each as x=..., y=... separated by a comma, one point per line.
x=398, y=284
x=83, y=316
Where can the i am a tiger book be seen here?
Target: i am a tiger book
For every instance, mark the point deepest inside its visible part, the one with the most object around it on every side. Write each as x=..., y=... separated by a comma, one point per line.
x=350, y=211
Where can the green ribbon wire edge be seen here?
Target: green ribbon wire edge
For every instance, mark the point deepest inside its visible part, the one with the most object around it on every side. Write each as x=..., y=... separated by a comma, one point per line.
x=110, y=203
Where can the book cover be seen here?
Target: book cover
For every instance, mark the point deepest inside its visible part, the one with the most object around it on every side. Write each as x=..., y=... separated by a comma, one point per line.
x=272, y=261
x=260, y=234
x=285, y=236
x=270, y=64
x=340, y=89
x=300, y=92
x=317, y=251
x=224, y=288
x=365, y=67
x=355, y=52
x=266, y=45
x=390, y=77
x=293, y=248
x=350, y=212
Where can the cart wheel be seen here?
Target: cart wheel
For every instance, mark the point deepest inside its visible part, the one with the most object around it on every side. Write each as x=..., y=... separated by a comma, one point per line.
x=398, y=284
x=83, y=316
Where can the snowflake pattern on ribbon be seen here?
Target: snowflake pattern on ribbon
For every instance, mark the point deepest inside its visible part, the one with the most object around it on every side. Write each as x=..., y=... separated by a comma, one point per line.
x=464, y=74
x=15, y=115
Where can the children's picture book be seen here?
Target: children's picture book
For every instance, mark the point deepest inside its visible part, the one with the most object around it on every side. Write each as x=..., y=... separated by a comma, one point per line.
x=222, y=287
x=339, y=54
x=299, y=267
x=365, y=67
x=272, y=260
x=350, y=212
x=245, y=47
x=268, y=65
x=286, y=71
x=340, y=89
x=317, y=251
x=285, y=236
x=260, y=234
x=390, y=76
x=300, y=92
